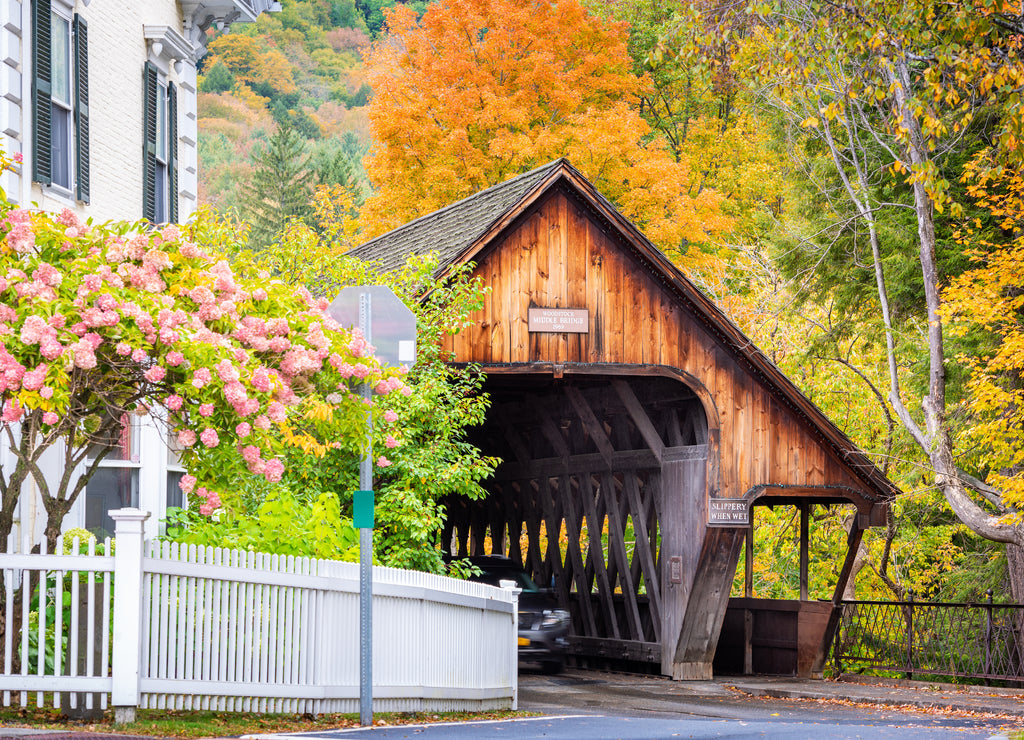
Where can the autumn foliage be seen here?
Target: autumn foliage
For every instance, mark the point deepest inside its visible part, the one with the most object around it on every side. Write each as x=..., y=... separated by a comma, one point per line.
x=478, y=91
x=989, y=301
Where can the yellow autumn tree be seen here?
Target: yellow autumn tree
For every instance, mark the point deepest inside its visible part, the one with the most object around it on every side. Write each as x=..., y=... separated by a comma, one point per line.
x=478, y=91
x=252, y=60
x=989, y=301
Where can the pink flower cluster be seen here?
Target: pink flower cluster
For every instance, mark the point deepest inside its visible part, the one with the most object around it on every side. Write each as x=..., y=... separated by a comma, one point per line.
x=33, y=380
x=271, y=469
x=21, y=237
x=12, y=411
x=11, y=371
x=387, y=385
x=358, y=346
x=210, y=503
x=84, y=351
x=36, y=330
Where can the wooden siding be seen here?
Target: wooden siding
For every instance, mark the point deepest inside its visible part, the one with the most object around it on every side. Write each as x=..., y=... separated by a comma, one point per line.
x=559, y=255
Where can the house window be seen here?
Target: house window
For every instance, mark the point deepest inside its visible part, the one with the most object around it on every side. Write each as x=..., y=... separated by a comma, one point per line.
x=160, y=115
x=60, y=98
x=60, y=92
x=175, y=472
x=115, y=483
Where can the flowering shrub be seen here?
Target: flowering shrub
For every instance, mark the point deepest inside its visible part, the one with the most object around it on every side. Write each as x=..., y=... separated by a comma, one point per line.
x=101, y=320
x=420, y=451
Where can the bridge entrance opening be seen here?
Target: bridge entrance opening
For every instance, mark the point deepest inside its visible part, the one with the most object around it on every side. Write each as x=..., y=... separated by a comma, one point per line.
x=601, y=497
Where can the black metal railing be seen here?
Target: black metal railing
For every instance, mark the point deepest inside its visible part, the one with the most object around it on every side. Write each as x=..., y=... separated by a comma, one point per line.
x=919, y=638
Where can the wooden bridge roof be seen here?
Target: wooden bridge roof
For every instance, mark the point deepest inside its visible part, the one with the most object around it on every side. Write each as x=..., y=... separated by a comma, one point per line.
x=467, y=230
x=451, y=230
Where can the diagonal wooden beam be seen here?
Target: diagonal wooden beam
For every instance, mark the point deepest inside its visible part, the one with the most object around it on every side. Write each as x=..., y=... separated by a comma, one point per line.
x=551, y=432
x=617, y=551
x=515, y=441
x=595, y=554
x=590, y=422
x=573, y=554
x=675, y=432
x=639, y=416
x=642, y=546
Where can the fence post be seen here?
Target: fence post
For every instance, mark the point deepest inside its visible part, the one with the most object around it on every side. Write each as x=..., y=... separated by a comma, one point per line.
x=837, y=639
x=127, y=626
x=910, y=635
x=515, y=590
x=988, y=638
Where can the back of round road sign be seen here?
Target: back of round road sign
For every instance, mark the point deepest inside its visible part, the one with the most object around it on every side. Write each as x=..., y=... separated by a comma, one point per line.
x=392, y=324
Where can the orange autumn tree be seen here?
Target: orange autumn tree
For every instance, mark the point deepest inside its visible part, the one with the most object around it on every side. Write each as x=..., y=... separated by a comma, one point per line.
x=478, y=91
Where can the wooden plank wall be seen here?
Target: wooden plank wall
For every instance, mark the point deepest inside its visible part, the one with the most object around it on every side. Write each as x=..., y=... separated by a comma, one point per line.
x=559, y=255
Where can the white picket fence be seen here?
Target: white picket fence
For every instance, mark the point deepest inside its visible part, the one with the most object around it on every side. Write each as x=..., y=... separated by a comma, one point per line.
x=162, y=626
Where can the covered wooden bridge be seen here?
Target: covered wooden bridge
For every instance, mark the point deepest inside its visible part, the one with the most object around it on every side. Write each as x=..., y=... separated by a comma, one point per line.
x=637, y=426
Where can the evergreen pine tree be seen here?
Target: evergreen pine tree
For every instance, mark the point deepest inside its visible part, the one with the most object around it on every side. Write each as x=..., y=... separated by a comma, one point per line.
x=281, y=187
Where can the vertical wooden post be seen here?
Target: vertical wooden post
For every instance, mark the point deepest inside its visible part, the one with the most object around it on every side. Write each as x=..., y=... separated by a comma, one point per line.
x=748, y=560
x=127, y=648
x=683, y=531
x=748, y=642
x=804, y=548
x=748, y=592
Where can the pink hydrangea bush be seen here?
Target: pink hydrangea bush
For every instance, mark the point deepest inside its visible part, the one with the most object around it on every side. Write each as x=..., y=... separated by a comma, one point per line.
x=96, y=319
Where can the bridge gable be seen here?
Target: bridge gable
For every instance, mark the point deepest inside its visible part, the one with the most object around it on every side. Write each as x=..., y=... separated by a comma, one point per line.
x=562, y=252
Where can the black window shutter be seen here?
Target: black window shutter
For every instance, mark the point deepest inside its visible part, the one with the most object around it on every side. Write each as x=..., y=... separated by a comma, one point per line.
x=41, y=92
x=149, y=94
x=172, y=152
x=81, y=61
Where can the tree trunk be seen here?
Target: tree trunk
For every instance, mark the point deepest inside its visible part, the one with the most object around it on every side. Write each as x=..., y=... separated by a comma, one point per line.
x=859, y=561
x=56, y=510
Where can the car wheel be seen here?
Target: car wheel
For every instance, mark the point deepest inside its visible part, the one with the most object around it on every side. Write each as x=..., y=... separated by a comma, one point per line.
x=552, y=667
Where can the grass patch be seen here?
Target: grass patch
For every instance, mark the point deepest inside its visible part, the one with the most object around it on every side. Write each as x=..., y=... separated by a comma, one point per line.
x=196, y=724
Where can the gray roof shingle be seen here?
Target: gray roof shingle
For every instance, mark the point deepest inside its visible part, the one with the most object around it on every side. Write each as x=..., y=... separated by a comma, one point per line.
x=452, y=229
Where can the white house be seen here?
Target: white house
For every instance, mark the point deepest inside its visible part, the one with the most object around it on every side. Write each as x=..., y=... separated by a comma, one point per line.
x=99, y=99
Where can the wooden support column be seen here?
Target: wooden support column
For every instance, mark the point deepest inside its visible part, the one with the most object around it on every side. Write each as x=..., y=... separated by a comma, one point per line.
x=748, y=592
x=705, y=609
x=805, y=529
x=683, y=526
x=748, y=560
x=852, y=546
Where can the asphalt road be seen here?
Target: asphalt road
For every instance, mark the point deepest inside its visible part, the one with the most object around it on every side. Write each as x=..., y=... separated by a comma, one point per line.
x=600, y=727
x=581, y=705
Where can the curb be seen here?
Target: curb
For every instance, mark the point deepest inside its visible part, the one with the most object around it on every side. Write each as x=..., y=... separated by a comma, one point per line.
x=23, y=733
x=919, y=684
x=931, y=703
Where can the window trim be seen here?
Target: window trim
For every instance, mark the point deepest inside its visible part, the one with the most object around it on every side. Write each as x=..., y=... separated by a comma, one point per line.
x=135, y=461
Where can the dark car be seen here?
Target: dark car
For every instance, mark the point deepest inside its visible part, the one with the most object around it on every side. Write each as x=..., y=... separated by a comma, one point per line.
x=543, y=624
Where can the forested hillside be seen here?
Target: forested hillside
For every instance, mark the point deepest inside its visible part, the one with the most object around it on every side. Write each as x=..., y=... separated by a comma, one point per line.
x=840, y=179
x=300, y=68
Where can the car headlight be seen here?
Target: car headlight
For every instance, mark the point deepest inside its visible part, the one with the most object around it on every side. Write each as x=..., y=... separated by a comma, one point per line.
x=555, y=617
